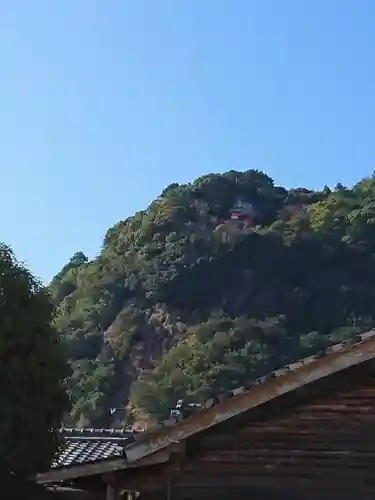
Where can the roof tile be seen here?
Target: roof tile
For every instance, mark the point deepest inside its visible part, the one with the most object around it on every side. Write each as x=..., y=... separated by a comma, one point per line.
x=82, y=446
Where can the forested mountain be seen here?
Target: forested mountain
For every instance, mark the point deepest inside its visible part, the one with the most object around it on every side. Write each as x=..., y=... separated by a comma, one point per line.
x=214, y=284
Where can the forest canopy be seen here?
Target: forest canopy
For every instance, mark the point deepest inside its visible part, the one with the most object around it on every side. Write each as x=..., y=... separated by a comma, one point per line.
x=215, y=283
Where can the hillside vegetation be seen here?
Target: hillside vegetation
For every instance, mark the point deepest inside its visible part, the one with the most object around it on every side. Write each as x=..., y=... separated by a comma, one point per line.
x=185, y=302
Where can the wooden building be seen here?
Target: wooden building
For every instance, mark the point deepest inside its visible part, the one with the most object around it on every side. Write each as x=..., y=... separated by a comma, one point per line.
x=305, y=432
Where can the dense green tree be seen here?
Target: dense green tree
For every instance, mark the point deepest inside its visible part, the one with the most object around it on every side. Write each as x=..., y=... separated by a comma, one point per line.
x=184, y=302
x=32, y=374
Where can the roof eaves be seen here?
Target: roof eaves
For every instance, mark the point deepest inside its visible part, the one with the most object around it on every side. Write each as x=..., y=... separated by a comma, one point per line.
x=99, y=467
x=74, y=471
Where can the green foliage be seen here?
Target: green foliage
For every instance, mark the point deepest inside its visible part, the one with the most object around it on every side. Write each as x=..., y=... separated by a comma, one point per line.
x=32, y=373
x=219, y=350
x=185, y=303
x=65, y=282
x=88, y=387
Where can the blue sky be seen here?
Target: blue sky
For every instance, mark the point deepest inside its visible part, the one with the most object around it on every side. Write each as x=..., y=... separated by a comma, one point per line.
x=104, y=103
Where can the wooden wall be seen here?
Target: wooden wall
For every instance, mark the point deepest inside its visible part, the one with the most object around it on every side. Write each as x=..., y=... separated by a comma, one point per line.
x=315, y=443
x=318, y=442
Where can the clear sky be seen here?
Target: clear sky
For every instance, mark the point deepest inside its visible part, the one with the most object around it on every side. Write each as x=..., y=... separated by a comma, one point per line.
x=105, y=102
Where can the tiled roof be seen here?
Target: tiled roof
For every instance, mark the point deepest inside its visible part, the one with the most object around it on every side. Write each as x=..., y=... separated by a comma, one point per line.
x=82, y=446
x=101, y=433
x=82, y=452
